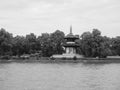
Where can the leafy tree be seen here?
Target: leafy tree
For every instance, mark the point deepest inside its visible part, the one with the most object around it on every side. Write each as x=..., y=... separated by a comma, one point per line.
x=5, y=42
x=85, y=44
x=96, y=32
x=45, y=44
x=104, y=49
x=31, y=42
x=57, y=39
x=18, y=45
x=51, y=43
x=115, y=45
x=95, y=45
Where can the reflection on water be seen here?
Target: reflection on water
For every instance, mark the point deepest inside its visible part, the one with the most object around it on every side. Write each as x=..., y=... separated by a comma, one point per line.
x=38, y=76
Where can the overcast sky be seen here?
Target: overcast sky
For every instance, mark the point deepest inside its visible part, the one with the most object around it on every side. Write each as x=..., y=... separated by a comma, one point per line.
x=22, y=17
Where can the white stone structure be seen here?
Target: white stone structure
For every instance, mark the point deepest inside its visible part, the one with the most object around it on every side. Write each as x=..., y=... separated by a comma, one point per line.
x=70, y=47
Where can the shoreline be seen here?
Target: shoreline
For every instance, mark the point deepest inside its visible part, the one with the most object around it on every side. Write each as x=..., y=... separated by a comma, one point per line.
x=48, y=60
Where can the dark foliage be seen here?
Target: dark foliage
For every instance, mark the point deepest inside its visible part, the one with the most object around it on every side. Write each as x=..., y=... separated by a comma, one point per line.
x=92, y=44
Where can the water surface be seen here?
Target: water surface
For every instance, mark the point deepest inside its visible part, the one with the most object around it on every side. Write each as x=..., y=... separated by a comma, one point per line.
x=59, y=76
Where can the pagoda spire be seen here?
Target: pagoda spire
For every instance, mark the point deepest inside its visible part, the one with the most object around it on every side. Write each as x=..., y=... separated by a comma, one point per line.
x=71, y=29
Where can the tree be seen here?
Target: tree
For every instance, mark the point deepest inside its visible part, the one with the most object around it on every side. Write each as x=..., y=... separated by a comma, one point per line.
x=104, y=49
x=45, y=44
x=95, y=45
x=31, y=42
x=96, y=32
x=5, y=42
x=85, y=44
x=57, y=39
x=19, y=44
x=51, y=43
x=115, y=45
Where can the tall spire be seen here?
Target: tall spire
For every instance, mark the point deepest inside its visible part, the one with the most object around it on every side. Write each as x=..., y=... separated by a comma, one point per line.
x=71, y=29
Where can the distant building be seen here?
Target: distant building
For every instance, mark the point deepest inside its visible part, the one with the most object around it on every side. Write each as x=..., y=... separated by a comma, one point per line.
x=70, y=47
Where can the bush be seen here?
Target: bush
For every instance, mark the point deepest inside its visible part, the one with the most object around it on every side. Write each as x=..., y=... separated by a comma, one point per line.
x=64, y=58
x=6, y=57
x=74, y=58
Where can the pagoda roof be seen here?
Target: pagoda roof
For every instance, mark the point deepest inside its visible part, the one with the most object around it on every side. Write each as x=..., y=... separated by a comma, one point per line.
x=70, y=35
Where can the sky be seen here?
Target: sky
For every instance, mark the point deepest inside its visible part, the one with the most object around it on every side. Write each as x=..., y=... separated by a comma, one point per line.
x=22, y=17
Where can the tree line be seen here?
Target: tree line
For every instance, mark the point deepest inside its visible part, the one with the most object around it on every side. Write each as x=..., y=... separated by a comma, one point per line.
x=91, y=44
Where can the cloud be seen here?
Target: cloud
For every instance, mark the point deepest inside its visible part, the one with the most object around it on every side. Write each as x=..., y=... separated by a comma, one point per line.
x=48, y=15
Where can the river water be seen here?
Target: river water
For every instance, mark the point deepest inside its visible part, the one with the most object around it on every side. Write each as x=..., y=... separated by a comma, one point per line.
x=59, y=76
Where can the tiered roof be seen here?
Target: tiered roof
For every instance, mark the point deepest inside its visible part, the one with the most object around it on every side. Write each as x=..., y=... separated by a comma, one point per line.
x=70, y=35
x=73, y=37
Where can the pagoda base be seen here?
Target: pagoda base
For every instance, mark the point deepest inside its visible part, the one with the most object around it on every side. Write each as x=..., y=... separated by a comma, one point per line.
x=67, y=56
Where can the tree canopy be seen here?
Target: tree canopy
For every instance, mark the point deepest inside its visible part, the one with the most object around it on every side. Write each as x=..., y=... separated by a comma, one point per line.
x=92, y=44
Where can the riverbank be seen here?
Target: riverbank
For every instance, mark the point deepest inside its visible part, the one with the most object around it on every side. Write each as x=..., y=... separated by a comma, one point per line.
x=48, y=60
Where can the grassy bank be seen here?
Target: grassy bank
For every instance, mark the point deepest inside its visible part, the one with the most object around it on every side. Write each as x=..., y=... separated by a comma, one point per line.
x=48, y=60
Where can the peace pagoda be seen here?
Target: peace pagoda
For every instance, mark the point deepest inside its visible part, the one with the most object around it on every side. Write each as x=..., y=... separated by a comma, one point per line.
x=70, y=47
